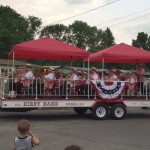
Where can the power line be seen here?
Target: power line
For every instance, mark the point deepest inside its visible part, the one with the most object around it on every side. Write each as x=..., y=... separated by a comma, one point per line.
x=84, y=12
x=130, y=20
x=123, y=17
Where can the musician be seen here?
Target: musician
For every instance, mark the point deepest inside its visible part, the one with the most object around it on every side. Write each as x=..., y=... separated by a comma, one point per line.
x=94, y=74
x=50, y=80
x=113, y=76
x=27, y=79
x=71, y=81
x=131, y=80
x=29, y=72
x=140, y=73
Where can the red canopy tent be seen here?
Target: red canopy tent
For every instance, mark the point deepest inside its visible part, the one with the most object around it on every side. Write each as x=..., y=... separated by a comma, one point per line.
x=121, y=53
x=47, y=49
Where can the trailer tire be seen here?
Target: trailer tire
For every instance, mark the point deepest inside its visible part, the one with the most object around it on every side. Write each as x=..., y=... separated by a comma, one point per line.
x=80, y=110
x=144, y=108
x=118, y=111
x=100, y=112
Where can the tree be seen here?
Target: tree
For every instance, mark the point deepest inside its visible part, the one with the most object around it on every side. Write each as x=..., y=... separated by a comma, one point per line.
x=142, y=41
x=57, y=32
x=94, y=39
x=107, y=39
x=33, y=28
x=14, y=29
x=80, y=34
x=90, y=38
x=77, y=34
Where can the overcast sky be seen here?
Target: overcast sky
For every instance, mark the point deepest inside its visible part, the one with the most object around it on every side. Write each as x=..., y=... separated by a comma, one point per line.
x=125, y=18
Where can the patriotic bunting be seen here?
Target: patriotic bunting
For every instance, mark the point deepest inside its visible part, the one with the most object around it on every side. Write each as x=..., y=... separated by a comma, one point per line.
x=108, y=90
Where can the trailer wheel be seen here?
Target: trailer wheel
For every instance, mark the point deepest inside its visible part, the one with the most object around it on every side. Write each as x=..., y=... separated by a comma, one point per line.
x=118, y=111
x=80, y=110
x=100, y=112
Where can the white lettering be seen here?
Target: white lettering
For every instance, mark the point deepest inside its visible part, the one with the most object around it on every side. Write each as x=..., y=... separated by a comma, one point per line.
x=31, y=103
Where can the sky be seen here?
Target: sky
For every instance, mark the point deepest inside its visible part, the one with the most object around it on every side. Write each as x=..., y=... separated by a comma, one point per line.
x=125, y=18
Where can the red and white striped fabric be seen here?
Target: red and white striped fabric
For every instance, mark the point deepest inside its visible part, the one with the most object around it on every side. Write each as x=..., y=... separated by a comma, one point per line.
x=108, y=90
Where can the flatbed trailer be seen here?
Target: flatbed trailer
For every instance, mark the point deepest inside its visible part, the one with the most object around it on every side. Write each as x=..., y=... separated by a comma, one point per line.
x=100, y=108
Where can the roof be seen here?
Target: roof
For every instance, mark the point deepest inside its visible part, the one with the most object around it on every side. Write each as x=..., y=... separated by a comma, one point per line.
x=10, y=62
x=16, y=62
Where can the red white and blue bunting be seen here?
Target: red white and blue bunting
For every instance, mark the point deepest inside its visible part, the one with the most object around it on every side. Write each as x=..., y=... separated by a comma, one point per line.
x=108, y=90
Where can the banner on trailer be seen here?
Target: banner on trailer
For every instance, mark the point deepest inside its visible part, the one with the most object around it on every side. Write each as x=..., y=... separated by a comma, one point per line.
x=108, y=90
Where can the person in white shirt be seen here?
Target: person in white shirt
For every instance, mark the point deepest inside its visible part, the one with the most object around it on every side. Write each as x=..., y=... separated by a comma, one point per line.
x=71, y=81
x=131, y=82
x=73, y=77
x=49, y=81
x=140, y=73
x=50, y=75
x=113, y=76
x=94, y=74
x=28, y=76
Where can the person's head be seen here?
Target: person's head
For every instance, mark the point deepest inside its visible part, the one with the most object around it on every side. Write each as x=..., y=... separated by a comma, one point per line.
x=72, y=147
x=74, y=71
x=93, y=69
x=80, y=73
x=139, y=65
x=23, y=126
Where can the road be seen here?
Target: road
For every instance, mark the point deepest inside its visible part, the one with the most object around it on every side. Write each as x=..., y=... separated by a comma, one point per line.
x=60, y=128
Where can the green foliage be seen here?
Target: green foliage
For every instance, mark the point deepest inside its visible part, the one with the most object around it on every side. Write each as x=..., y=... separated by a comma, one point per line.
x=142, y=41
x=15, y=29
x=57, y=31
x=81, y=35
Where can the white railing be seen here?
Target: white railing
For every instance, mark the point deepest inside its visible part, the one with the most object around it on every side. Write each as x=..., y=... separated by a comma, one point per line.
x=38, y=88
x=2, y=88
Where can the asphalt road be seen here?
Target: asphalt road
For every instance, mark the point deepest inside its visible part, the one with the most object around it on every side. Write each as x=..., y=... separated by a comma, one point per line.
x=60, y=128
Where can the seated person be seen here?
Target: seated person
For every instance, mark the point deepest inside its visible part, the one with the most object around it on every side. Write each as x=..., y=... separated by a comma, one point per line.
x=71, y=80
x=73, y=77
x=106, y=75
x=131, y=82
x=28, y=76
x=38, y=84
x=141, y=79
x=80, y=84
x=49, y=80
x=94, y=74
x=113, y=76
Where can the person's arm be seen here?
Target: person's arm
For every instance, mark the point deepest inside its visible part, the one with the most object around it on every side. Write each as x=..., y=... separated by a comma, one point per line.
x=14, y=148
x=36, y=140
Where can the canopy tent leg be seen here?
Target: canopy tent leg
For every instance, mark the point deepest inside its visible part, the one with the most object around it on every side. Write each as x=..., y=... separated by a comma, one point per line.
x=12, y=88
x=103, y=69
x=88, y=79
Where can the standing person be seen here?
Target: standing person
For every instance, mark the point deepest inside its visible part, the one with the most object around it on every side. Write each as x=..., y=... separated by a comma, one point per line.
x=72, y=147
x=131, y=83
x=140, y=73
x=26, y=139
